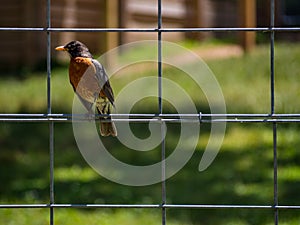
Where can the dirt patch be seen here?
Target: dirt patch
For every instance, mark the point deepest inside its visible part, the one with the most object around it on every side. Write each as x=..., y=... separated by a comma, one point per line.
x=220, y=52
x=211, y=53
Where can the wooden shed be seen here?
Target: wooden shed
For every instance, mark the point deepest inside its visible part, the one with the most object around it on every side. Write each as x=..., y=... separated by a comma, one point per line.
x=27, y=49
x=191, y=14
x=21, y=48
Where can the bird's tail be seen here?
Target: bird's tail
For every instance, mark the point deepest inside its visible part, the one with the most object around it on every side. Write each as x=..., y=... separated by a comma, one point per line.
x=108, y=128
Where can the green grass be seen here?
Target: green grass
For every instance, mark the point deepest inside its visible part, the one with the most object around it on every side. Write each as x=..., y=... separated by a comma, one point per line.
x=242, y=173
x=72, y=216
x=245, y=83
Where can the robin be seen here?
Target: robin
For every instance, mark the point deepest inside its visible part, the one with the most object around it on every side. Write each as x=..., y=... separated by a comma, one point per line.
x=90, y=82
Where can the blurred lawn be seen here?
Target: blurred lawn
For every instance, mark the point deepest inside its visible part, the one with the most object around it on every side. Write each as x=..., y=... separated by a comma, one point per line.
x=241, y=174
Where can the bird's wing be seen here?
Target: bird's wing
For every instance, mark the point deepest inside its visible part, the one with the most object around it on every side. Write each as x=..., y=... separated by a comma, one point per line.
x=102, y=78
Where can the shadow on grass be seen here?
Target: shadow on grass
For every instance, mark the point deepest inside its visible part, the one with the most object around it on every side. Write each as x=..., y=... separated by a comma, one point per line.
x=241, y=175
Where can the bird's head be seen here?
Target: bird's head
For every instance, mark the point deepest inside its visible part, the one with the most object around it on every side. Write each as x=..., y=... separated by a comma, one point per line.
x=75, y=49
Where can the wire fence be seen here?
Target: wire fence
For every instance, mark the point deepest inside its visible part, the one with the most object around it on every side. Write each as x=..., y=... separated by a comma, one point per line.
x=50, y=118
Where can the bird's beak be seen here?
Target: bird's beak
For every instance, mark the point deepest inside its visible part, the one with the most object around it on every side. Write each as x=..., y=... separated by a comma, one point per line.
x=60, y=48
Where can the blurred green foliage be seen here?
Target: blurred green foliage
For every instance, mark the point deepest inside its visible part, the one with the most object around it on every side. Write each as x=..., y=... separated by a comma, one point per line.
x=242, y=173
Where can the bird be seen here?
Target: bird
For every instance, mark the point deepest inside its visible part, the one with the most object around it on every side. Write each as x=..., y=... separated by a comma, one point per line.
x=91, y=84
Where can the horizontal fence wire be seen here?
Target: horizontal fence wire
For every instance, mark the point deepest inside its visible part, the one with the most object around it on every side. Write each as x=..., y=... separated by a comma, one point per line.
x=168, y=118
x=153, y=206
x=155, y=30
x=52, y=118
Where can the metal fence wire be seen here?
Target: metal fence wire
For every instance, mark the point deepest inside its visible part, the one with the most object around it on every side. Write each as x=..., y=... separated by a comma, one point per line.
x=50, y=118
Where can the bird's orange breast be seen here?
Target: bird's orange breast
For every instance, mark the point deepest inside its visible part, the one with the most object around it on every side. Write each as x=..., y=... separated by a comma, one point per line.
x=82, y=78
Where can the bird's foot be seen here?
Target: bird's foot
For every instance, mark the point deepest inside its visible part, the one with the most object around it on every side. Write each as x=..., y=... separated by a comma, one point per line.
x=90, y=116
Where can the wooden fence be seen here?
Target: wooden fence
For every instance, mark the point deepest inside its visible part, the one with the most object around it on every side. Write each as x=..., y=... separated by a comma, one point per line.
x=19, y=49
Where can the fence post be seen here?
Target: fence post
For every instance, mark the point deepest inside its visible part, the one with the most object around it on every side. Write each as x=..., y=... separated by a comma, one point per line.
x=112, y=21
x=111, y=39
x=196, y=18
x=247, y=14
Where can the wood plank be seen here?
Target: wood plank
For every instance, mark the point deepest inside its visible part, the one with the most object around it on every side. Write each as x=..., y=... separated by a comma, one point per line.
x=247, y=14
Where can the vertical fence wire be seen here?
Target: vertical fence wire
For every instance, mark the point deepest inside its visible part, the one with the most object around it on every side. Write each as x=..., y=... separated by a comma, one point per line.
x=160, y=109
x=272, y=76
x=49, y=111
